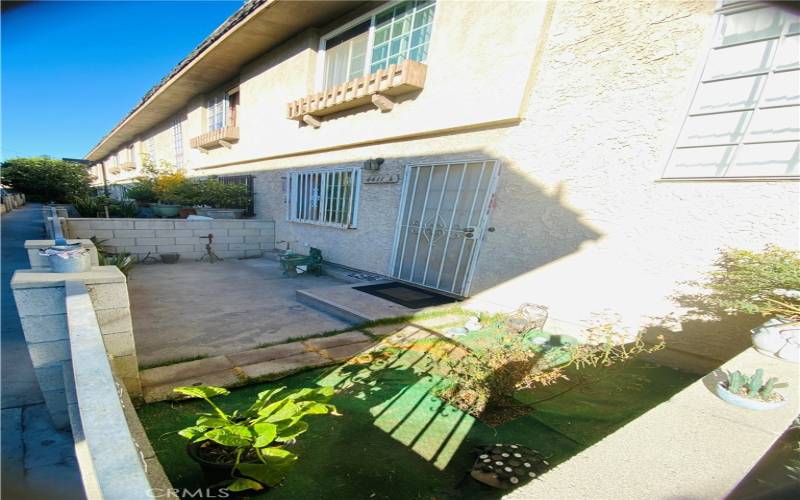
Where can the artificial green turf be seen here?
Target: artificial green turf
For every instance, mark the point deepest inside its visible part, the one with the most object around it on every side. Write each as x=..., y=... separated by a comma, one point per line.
x=396, y=440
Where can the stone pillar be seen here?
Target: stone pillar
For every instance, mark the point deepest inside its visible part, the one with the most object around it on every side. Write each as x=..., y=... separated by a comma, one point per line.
x=40, y=299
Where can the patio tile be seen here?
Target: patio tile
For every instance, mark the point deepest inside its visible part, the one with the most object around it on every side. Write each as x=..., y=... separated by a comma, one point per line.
x=225, y=378
x=181, y=371
x=385, y=330
x=283, y=366
x=345, y=352
x=337, y=340
x=266, y=353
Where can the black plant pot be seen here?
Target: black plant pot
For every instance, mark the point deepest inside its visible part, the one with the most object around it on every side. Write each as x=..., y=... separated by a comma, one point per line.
x=216, y=473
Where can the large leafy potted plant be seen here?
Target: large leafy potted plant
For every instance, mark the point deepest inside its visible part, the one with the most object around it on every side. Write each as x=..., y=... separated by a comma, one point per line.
x=765, y=283
x=247, y=450
x=220, y=200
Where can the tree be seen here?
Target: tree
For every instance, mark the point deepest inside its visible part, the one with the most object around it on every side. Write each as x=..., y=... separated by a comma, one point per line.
x=46, y=179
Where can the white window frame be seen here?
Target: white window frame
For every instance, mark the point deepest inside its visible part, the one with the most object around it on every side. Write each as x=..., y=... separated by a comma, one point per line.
x=371, y=15
x=220, y=99
x=727, y=8
x=303, y=199
x=152, y=152
x=177, y=140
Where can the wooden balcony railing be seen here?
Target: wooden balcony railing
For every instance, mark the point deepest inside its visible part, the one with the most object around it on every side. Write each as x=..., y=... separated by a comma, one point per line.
x=377, y=88
x=220, y=137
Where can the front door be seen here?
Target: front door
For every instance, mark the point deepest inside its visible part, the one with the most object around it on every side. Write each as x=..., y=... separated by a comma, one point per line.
x=443, y=213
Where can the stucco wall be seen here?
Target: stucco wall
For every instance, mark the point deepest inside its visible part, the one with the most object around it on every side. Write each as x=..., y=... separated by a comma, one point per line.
x=475, y=77
x=583, y=222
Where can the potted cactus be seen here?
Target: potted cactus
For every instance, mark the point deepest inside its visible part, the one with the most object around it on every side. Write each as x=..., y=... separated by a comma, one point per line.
x=751, y=392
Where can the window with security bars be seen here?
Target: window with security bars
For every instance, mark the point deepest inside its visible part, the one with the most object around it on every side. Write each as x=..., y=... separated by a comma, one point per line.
x=324, y=197
x=384, y=37
x=744, y=119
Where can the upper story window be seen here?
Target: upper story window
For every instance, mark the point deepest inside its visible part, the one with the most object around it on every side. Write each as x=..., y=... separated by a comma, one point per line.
x=221, y=110
x=177, y=140
x=384, y=37
x=744, y=119
x=151, y=150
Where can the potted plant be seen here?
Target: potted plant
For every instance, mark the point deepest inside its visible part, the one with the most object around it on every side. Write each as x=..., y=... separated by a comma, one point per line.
x=221, y=201
x=247, y=450
x=765, y=283
x=751, y=392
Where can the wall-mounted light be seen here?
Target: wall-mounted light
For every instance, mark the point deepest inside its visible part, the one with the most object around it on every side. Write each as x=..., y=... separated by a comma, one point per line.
x=373, y=164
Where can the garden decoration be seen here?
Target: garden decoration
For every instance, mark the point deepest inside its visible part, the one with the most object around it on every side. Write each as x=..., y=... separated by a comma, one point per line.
x=778, y=338
x=526, y=318
x=751, y=392
x=507, y=466
x=210, y=255
x=246, y=450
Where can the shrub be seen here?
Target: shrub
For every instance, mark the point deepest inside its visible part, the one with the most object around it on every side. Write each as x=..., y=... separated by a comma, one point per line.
x=94, y=206
x=217, y=194
x=142, y=191
x=46, y=179
x=485, y=381
x=748, y=282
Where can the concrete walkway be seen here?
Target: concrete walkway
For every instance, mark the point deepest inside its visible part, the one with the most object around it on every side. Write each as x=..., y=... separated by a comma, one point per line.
x=194, y=309
x=38, y=461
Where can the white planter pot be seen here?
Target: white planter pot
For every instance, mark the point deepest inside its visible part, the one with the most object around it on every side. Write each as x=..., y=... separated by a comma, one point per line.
x=779, y=339
x=742, y=402
x=225, y=213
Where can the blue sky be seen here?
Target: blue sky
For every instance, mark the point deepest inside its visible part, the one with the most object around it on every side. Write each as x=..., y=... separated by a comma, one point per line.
x=72, y=70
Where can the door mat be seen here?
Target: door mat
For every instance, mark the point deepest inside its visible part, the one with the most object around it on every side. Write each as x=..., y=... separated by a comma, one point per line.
x=406, y=295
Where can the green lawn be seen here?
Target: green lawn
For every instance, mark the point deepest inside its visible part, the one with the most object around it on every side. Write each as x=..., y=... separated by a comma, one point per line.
x=397, y=440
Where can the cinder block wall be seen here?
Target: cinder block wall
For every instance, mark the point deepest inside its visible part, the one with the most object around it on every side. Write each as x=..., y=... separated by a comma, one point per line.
x=232, y=238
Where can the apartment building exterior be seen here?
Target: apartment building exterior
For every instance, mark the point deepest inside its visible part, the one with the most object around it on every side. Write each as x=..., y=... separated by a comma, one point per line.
x=583, y=155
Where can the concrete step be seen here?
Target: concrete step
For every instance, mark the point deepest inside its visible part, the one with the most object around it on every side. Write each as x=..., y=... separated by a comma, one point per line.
x=353, y=306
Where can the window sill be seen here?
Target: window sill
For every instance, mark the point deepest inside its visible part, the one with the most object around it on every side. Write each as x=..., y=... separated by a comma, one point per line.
x=729, y=179
x=221, y=137
x=377, y=88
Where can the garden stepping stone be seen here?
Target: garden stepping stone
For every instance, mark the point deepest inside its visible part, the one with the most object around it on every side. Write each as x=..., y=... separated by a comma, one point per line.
x=225, y=378
x=336, y=340
x=181, y=371
x=277, y=368
x=267, y=353
x=345, y=352
x=385, y=330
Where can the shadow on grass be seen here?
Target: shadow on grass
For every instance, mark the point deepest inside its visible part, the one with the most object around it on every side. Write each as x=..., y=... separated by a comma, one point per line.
x=396, y=439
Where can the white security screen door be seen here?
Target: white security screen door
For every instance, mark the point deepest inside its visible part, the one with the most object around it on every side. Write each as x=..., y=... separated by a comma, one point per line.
x=443, y=213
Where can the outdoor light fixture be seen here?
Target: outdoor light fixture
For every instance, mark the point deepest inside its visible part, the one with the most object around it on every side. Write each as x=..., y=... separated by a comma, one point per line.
x=373, y=164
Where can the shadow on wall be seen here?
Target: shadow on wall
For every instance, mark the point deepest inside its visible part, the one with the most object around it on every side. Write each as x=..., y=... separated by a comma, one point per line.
x=530, y=226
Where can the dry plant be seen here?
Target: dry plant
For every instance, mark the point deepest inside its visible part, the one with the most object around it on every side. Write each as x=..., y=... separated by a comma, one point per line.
x=484, y=382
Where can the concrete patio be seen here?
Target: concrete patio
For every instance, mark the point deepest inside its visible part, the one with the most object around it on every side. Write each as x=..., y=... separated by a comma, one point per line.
x=194, y=309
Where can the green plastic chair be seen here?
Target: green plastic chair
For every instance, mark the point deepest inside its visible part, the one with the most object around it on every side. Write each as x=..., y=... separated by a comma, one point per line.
x=312, y=261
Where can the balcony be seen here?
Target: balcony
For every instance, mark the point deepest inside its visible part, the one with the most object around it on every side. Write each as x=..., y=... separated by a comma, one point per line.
x=114, y=170
x=377, y=88
x=225, y=136
x=128, y=165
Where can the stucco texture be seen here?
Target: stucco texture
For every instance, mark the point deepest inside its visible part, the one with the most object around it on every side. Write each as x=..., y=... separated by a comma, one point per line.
x=590, y=100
